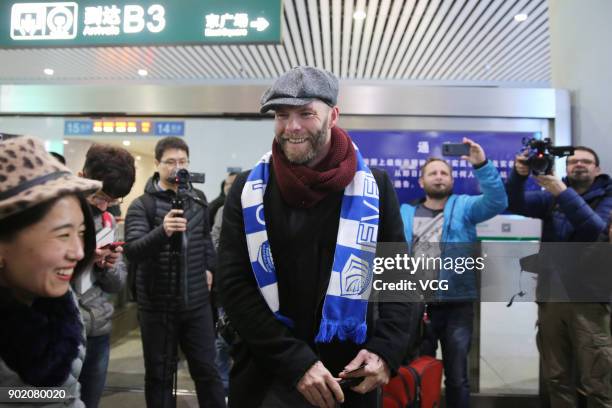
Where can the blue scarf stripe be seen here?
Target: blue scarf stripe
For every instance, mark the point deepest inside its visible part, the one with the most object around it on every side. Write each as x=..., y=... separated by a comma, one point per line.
x=263, y=277
x=251, y=192
x=252, y=217
x=360, y=236
x=363, y=185
x=368, y=212
x=346, y=301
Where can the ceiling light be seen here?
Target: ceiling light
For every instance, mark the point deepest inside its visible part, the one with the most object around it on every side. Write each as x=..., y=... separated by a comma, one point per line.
x=143, y=72
x=138, y=158
x=48, y=71
x=127, y=143
x=520, y=17
x=359, y=15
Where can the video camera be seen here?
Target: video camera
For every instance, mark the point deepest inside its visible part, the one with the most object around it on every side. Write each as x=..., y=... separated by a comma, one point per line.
x=541, y=154
x=183, y=177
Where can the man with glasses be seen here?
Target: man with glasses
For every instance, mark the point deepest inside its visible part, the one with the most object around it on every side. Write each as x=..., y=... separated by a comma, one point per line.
x=173, y=292
x=573, y=338
x=114, y=167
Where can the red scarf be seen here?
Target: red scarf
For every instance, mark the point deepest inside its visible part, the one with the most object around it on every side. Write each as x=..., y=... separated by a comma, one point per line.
x=301, y=186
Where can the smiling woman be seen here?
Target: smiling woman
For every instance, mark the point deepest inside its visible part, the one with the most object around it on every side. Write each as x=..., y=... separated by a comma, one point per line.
x=46, y=238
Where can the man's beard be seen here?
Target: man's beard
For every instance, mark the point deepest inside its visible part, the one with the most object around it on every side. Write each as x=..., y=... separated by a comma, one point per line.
x=580, y=179
x=315, y=141
x=438, y=194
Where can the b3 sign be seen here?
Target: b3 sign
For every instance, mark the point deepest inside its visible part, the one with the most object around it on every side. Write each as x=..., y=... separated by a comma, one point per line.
x=140, y=22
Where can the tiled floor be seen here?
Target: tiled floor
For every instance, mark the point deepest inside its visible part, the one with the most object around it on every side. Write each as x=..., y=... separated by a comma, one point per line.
x=125, y=379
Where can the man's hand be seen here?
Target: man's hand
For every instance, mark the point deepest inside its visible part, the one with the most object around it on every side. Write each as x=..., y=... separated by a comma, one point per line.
x=376, y=372
x=173, y=223
x=520, y=164
x=551, y=183
x=477, y=155
x=320, y=388
x=107, y=258
x=209, y=279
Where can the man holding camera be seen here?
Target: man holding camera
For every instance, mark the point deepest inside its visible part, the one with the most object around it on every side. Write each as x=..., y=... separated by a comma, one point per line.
x=444, y=224
x=571, y=335
x=174, y=253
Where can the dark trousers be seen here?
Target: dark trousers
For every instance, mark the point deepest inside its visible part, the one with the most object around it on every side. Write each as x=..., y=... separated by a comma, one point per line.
x=192, y=330
x=576, y=353
x=451, y=325
x=93, y=373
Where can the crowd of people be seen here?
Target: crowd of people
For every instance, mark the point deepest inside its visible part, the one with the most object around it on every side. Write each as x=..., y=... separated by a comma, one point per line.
x=286, y=250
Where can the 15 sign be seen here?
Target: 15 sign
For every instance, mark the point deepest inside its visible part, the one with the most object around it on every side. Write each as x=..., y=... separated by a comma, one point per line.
x=140, y=22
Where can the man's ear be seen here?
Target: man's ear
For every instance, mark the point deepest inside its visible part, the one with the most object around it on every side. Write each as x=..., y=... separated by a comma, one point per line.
x=81, y=174
x=335, y=113
x=421, y=182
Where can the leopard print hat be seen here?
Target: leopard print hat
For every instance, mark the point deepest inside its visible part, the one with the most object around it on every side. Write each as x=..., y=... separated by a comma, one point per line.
x=29, y=176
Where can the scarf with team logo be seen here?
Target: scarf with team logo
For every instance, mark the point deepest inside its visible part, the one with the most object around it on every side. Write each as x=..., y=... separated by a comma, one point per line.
x=346, y=301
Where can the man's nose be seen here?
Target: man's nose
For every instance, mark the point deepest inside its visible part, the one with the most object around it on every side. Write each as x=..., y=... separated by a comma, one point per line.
x=293, y=124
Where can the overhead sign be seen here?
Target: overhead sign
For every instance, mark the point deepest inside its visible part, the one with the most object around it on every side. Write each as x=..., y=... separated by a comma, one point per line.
x=139, y=22
x=109, y=127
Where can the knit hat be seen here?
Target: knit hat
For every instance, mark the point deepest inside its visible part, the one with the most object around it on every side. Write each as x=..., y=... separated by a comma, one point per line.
x=30, y=176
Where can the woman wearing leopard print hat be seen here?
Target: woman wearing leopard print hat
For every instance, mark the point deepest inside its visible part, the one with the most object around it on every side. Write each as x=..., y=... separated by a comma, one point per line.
x=46, y=237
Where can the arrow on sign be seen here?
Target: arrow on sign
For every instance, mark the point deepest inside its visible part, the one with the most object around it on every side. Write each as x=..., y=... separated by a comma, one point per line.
x=260, y=24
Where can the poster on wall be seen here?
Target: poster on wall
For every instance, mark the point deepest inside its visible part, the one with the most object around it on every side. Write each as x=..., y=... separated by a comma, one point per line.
x=402, y=153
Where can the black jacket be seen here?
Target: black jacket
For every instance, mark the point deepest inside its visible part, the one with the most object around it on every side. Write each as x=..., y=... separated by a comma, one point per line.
x=149, y=246
x=303, y=243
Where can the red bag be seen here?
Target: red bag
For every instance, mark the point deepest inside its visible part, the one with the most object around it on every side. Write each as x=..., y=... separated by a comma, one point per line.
x=416, y=386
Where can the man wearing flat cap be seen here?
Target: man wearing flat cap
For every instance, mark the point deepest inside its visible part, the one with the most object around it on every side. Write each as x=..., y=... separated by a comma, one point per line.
x=300, y=231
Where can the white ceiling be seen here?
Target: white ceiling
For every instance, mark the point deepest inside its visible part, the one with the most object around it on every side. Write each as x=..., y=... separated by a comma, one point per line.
x=456, y=42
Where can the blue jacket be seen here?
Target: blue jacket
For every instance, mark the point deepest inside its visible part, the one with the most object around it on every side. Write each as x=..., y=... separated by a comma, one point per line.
x=569, y=217
x=461, y=214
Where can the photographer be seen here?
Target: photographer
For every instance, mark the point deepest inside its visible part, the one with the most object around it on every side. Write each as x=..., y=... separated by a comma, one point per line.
x=570, y=334
x=173, y=291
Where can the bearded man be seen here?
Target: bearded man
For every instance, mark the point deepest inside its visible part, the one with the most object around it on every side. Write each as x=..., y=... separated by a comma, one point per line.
x=573, y=332
x=444, y=223
x=299, y=235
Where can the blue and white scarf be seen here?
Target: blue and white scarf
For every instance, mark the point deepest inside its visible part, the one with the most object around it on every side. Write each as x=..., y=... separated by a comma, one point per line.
x=346, y=301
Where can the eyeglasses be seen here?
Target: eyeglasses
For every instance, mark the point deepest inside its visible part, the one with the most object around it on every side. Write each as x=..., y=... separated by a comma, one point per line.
x=586, y=162
x=100, y=200
x=174, y=163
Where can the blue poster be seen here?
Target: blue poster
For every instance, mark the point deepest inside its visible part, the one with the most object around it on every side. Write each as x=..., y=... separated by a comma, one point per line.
x=402, y=153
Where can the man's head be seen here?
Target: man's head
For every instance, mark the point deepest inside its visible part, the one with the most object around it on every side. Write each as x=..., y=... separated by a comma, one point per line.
x=582, y=167
x=304, y=100
x=436, y=178
x=229, y=180
x=171, y=153
x=114, y=167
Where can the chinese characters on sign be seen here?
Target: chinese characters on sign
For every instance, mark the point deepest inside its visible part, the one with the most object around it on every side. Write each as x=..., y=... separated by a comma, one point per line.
x=118, y=22
x=106, y=20
x=232, y=25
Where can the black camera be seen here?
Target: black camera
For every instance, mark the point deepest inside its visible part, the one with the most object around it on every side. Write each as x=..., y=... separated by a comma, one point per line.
x=541, y=154
x=183, y=177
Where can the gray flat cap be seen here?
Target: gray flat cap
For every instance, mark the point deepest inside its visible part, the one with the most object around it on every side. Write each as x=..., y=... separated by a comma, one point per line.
x=301, y=86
